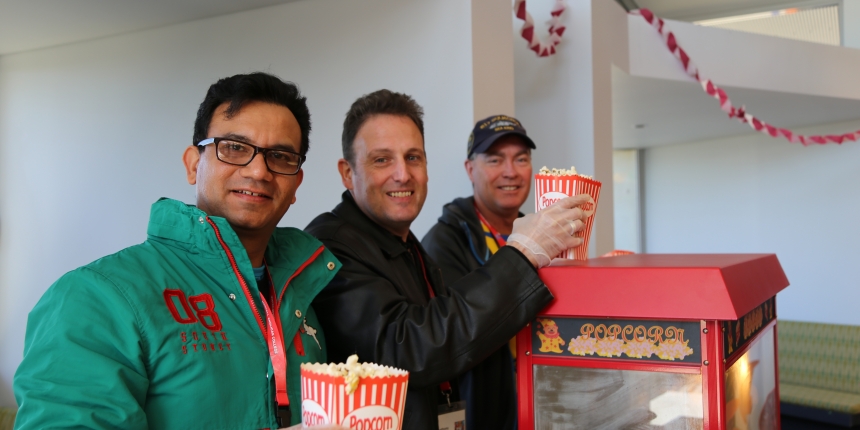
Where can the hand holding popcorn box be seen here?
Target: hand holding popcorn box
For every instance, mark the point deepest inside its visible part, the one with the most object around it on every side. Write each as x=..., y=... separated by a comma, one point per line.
x=552, y=185
x=353, y=395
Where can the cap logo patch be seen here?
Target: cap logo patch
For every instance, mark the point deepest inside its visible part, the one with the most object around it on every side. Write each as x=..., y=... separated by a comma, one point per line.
x=503, y=125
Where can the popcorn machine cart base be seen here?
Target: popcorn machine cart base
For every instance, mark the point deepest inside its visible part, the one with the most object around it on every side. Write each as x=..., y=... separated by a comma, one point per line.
x=654, y=342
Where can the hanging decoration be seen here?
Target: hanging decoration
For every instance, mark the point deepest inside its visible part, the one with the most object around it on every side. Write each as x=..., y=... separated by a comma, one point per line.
x=541, y=48
x=725, y=104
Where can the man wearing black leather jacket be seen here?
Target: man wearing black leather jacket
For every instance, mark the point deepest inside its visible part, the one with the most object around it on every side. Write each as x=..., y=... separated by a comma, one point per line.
x=389, y=303
x=469, y=232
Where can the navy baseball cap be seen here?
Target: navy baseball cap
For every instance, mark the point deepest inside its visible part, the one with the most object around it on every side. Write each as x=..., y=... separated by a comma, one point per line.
x=488, y=130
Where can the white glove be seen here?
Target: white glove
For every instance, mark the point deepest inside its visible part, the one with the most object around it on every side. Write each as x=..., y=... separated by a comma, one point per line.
x=544, y=235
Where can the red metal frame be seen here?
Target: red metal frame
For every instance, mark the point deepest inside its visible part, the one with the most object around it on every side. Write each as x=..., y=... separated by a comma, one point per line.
x=713, y=374
x=776, y=367
x=616, y=364
x=705, y=288
x=712, y=395
x=525, y=413
x=526, y=362
x=721, y=372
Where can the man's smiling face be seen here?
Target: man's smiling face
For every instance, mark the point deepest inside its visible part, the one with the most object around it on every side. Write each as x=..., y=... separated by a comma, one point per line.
x=502, y=175
x=388, y=178
x=251, y=198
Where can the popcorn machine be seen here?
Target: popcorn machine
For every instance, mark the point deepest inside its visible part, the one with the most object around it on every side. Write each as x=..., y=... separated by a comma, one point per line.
x=654, y=341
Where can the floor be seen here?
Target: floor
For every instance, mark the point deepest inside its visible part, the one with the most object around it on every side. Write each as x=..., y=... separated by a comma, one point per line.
x=789, y=423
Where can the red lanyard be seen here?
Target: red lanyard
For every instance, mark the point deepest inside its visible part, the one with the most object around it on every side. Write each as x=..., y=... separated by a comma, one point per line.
x=499, y=239
x=275, y=337
x=275, y=342
x=424, y=272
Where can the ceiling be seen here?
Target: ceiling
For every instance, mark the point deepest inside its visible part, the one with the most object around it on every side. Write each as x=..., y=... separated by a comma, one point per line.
x=817, y=25
x=33, y=24
x=669, y=112
x=694, y=10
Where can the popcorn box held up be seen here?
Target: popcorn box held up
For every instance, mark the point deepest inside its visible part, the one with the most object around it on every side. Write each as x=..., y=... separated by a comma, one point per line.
x=377, y=402
x=552, y=188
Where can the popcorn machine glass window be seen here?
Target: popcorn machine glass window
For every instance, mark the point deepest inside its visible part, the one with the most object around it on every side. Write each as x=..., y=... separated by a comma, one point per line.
x=579, y=398
x=751, y=387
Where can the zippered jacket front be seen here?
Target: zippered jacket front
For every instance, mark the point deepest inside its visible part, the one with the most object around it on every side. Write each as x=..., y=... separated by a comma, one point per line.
x=380, y=307
x=457, y=243
x=170, y=334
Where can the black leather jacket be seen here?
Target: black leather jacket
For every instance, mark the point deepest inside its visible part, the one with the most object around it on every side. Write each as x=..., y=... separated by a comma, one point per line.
x=377, y=307
x=458, y=246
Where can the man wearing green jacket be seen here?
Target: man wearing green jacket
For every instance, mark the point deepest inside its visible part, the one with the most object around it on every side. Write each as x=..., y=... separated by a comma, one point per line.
x=205, y=324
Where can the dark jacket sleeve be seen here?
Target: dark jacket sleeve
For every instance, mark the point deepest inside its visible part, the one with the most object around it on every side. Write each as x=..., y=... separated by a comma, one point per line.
x=364, y=311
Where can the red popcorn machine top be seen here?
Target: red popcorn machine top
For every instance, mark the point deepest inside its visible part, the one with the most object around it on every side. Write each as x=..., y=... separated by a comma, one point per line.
x=654, y=341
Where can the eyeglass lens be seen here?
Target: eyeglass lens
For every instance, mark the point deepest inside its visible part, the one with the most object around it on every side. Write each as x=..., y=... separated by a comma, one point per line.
x=240, y=153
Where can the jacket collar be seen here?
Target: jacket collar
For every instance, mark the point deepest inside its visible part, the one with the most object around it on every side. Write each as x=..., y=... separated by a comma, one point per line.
x=349, y=211
x=460, y=214
x=187, y=227
x=460, y=210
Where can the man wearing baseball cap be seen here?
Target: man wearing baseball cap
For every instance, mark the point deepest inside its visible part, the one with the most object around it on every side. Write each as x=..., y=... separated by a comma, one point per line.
x=469, y=232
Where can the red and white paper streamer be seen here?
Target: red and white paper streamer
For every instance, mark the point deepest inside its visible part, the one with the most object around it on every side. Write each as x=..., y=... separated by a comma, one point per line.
x=541, y=48
x=725, y=104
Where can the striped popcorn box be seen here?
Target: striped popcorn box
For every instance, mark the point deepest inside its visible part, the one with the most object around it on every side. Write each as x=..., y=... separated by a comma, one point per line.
x=376, y=403
x=552, y=188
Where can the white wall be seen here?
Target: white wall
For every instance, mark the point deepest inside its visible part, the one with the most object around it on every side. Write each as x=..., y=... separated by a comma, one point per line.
x=756, y=194
x=627, y=192
x=565, y=101
x=91, y=133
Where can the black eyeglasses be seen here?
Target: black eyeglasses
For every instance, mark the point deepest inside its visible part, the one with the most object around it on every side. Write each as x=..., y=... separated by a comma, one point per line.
x=241, y=154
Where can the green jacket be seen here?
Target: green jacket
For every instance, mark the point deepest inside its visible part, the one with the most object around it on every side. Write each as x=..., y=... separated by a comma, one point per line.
x=162, y=335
